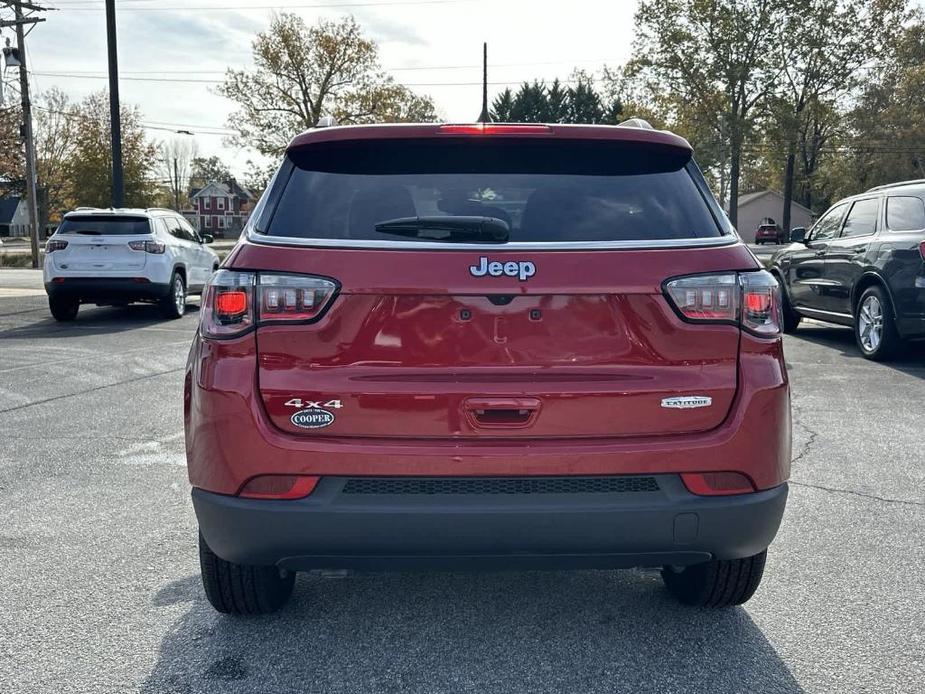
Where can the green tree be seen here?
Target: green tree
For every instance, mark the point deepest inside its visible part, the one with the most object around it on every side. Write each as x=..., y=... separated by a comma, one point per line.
x=57, y=122
x=696, y=50
x=503, y=106
x=205, y=170
x=88, y=171
x=305, y=72
x=824, y=45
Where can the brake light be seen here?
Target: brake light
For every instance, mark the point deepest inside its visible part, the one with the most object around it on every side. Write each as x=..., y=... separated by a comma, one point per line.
x=279, y=486
x=156, y=247
x=227, y=304
x=922, y=250
x=294, y=298
x=751, y=299
x=717, y=483
x=494, y=129
x=53, y=245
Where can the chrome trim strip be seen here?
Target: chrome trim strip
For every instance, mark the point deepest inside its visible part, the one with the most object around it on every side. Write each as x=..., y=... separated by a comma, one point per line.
x=260, y=239
x=804, y=309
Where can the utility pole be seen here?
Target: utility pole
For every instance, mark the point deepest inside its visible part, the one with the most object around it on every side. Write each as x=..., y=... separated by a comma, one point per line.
x=115, y=119
x=27, y=134
x=176, y=185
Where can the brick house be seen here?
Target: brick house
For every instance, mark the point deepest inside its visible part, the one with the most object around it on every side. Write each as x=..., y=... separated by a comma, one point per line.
x=220, y=209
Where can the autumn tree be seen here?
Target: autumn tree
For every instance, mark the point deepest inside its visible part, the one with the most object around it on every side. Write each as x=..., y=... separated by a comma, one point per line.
x=302, y=73
x=89, y=168
x=712, y=51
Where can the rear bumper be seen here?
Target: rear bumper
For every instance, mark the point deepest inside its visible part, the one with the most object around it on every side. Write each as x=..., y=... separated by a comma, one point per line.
x=106, y=289
x=333, y=529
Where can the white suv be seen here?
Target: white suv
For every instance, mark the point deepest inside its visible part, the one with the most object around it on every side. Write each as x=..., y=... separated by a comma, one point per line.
x=116, y=256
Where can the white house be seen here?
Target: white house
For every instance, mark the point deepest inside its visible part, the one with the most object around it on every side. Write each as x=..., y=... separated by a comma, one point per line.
x=14, y=217
x=754, y=207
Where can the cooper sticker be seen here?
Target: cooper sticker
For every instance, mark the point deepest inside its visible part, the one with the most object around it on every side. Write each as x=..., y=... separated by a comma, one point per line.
x=313, y=418
x=687, y=402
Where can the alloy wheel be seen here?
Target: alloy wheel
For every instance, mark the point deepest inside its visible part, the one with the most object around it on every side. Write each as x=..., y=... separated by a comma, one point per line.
x=179, y=295
x=870, y=324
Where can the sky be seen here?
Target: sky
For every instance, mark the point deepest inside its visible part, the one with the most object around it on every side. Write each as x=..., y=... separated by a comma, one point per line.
x=433, y=46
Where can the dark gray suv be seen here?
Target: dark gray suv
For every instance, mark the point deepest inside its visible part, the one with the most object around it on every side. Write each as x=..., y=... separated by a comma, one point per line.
x=861, y=264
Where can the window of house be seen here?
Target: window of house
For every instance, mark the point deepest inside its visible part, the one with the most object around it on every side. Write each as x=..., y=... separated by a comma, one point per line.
x=208, y=222
x=905, y=213
x=205, y=203
x=862, y=220
x=221, y=203
x=221, y=222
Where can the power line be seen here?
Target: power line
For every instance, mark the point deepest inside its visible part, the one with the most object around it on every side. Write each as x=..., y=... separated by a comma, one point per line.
x=86, y=7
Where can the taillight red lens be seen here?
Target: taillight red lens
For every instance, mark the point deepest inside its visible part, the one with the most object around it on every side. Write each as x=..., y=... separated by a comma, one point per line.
x=227, y=304
x=293, y=297
x=279, y=487
x=55, y=245
x=751, y=299
x=717, y=483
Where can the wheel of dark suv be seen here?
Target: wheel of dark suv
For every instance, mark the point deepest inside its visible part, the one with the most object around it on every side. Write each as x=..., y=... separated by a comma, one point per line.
x=716, y=583
x=791, y=319
x=174, y=304
x=63, y=309
x=240, y=589
x=875, y=327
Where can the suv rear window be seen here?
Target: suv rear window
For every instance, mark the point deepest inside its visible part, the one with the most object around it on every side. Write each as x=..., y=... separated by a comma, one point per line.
x=104, y=225
x=545, y=191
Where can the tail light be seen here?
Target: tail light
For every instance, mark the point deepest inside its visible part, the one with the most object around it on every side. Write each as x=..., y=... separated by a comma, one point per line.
x=279, y=487
x=750, y=299
x=717, y=483
x=156, y=247
x=293, y=297
x=236, y=301
x=495, y=129
x=922, y=250
x=53, y=245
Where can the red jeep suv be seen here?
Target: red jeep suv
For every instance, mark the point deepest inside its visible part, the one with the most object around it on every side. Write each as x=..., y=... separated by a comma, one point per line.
x=494, y=346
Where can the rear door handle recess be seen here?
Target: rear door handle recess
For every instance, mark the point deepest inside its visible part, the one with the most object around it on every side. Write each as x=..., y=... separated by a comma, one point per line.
x=501, y=412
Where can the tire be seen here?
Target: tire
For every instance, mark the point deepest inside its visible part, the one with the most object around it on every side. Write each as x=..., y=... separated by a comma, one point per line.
x=240, y=589
x=716, y=583
x=174, y=304
x=875, y=327
x=791, y=319
x=63, y=309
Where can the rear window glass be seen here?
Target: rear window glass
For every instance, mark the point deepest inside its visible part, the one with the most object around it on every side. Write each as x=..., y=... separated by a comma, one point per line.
x=905, y=213
x=104, y=225
x=545, y=191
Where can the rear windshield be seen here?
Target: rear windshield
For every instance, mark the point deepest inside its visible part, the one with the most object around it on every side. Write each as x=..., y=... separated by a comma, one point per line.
x=545, y=191
x=104, y=225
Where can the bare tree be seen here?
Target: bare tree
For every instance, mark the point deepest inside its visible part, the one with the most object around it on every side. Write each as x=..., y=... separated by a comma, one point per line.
x=175, y=161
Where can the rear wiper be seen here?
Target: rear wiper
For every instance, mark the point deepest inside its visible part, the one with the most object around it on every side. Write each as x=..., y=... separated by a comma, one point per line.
x=88, y=232
x=454, y=229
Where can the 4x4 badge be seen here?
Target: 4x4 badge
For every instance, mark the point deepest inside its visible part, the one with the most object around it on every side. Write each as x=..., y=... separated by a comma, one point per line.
x=521, y=269
x=687, y=402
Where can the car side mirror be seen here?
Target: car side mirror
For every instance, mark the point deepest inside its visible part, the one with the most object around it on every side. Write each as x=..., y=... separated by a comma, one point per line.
x=207, y=238
x=798, y=235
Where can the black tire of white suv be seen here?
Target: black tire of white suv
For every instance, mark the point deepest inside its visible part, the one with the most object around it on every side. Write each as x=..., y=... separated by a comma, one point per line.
x=716, y=583
x=173, y=305
x=240, y=589
x=63, y=309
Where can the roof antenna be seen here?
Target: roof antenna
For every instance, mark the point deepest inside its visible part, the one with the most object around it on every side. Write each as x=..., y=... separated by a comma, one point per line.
x=484, y=116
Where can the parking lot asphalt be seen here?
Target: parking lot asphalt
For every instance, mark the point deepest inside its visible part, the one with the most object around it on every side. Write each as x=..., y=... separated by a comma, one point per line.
x=99, y=579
